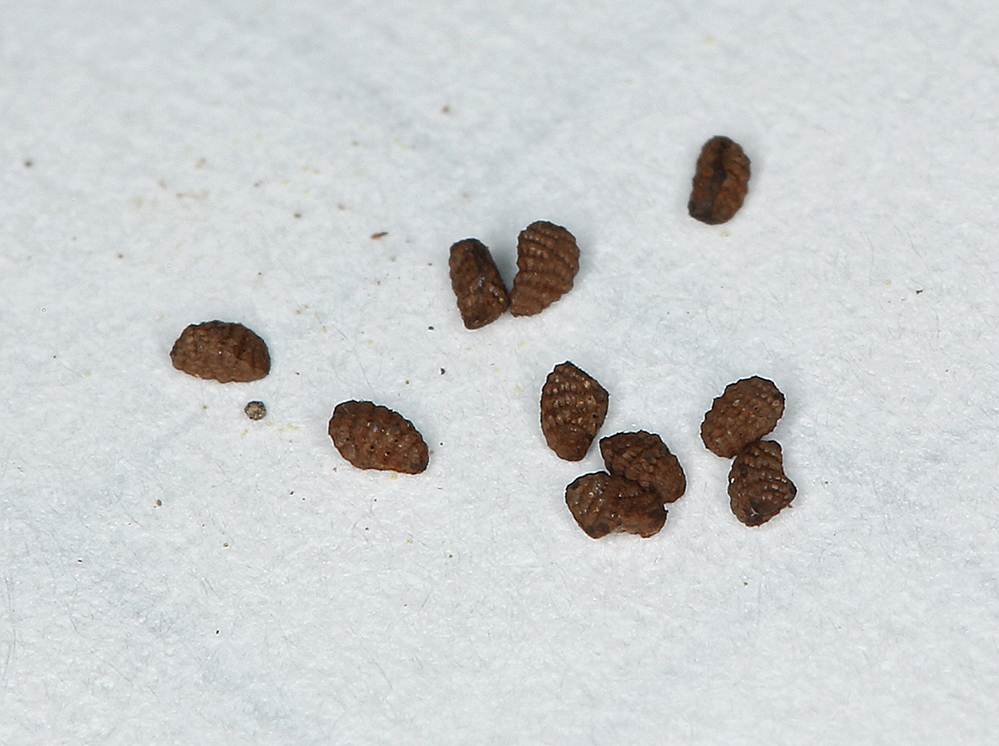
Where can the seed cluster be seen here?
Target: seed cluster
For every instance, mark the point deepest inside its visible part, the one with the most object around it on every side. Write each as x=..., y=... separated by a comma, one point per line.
x=547, y=263
x=642, y=474
x=733, y=427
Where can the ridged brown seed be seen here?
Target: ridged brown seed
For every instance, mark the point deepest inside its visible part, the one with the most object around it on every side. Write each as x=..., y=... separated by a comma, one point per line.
x=748, y=410
x=757, y=485
x=482, y=296
x=720, y=181
x=221, y=350
x=604, y=504
x=547, y=262
x=643, y=458
x=573, y=407
x=370, y=436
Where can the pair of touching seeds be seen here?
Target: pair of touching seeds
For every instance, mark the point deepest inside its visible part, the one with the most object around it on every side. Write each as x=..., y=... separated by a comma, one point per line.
x=733, y=428
x=547, y=263
x=642, y=475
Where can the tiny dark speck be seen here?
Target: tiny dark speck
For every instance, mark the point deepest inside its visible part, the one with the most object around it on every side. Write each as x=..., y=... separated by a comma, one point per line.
x=298, y=214
x=380, y=234
x=919, y=292
x=29, y=163
x=430, y=328
x=442, y=371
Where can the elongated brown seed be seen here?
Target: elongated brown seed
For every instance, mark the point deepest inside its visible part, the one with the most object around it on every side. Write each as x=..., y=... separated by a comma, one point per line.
x=547, y=263
x=221, y=350
x=643, y=458
x=748, y=410
x=573, y=407
x=370, y=436
x=720, y=181
x=482, y=296
x=757, y=485
x=603, y=504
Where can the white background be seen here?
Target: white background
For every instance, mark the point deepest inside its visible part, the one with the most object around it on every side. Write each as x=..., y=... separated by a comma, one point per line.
x=175, y=573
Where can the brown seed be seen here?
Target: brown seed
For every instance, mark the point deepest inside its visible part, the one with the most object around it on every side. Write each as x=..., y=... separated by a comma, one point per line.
x=748, y=410
x=255, y=410
x=602, y=504
x=573, y=407
x=374, y=437
x=643, y=458
x=482, y=296
x=720, y=181
x=221, y=350
x=757, y=485
x=547, y=262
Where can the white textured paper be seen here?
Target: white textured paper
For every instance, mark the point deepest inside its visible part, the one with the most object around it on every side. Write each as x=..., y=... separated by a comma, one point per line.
x=175, y=573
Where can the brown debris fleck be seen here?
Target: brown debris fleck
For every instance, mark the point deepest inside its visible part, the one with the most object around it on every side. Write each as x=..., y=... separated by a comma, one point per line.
x=604, y=504
x=221, y=350
x=482, y=296
x=547, y=262
x=573, y=407
x=370, y=436
x=757, y=485
x=255, y=410
x=643, y=458
x=748, y=410
x=721, y=181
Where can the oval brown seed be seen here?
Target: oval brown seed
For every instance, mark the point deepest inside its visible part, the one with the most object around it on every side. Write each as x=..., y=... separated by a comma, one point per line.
x=603, y=504
x=748, y=410
x=643, y=458
x=721, y=181
x=547, y=263
x=482, y=296
x=573, y=407
x=757, y=485
x=370, y=436
x=221, y=350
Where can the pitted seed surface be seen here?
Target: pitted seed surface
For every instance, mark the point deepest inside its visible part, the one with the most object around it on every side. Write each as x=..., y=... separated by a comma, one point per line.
x=223, y=351
x=721, y=181
x=748, y=410
x=371, y=436
x=642, y=457
x=573, y=407
x=757, y=485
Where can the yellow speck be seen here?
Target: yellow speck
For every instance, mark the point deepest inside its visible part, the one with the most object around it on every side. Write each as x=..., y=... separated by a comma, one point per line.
x=887, y=282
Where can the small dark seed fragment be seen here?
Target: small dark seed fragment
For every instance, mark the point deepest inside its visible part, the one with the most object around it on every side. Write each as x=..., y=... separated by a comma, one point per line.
x=221, y=350
x=602, y=504
x=757, y=485
x=255, y=410
x=370, y=436
x=643, y=458
x=547, y=263
x=720, y=181
x=573, y=407
x=748, y=410
x=482, y=296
